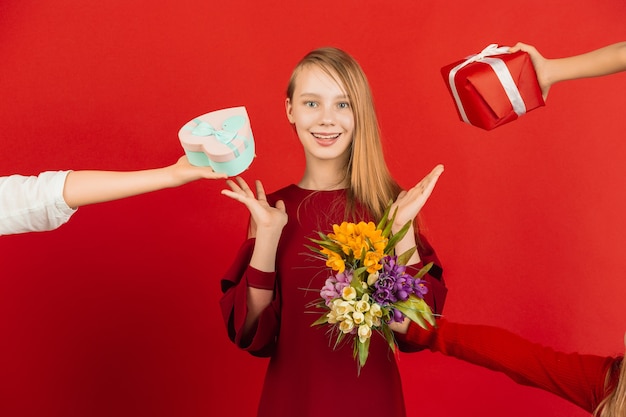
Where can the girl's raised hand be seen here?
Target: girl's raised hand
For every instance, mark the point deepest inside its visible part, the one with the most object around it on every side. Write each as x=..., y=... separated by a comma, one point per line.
x=409, y=203
x=264, y=216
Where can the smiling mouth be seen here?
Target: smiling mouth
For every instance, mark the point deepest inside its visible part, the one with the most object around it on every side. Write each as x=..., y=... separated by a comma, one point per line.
x=326, y=137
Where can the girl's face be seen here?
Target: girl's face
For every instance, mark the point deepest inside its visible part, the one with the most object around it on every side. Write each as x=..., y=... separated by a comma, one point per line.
x=321, y=114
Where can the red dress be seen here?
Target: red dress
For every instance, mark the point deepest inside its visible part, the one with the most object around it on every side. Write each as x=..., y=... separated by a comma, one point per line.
x=578, y=378
x=305, y=376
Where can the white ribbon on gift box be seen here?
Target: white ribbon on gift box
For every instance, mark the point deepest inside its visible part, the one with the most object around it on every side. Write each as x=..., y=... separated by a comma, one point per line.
x=501, y=71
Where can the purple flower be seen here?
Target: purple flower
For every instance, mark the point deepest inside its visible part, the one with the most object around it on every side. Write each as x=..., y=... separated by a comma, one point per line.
x=397, y=315
x=395, y=284
x=334, y=286
x=419, y=288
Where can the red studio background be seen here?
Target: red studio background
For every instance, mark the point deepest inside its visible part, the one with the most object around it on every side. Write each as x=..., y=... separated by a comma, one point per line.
x=116, y=313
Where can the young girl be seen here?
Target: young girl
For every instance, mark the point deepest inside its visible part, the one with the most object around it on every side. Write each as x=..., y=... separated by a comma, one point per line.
x=594, y=383
x=599, y=62
x=267, y=289
x=47, y=201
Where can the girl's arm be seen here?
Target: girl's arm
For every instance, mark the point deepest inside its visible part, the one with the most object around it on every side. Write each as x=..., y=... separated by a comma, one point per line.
x=408, y=205
x=266, y=228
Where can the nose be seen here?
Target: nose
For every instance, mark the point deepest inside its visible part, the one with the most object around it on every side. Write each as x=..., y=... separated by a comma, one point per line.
x=327, y=116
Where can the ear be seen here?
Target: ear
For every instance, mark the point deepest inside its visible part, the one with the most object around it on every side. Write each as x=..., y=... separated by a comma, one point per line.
x=288, y=110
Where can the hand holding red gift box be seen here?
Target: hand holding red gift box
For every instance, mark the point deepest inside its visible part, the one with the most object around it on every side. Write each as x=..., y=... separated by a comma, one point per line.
x=493, y=87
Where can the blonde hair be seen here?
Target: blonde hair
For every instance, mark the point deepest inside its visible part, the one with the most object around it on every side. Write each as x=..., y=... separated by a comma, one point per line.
x=371, y=185
x=614, y=404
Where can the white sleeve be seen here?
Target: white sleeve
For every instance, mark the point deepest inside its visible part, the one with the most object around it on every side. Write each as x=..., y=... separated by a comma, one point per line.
x=33, y=204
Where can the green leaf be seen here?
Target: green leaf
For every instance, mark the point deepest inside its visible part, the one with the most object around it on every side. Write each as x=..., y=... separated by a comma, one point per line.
x=338, y=340
x=385, y=218
x=321, y=320
x=389, y=337
x=393, y=240
x=363, y=351
x=315, y=250
x=404, y=258
x=424, y=270
x=387, y=229
x=330, y=245
x=416, y=310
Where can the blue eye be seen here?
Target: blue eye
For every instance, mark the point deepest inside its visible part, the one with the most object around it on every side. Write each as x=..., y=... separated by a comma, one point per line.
x=310, y=104
x=343, y=105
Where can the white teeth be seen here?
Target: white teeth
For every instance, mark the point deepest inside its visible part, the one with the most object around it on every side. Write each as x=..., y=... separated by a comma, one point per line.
x=318, y=136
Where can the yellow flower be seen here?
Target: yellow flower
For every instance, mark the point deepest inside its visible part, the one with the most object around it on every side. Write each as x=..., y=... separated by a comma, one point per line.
x=364, y=332
x=372, y=260
x=334, y=261
x=356, y=239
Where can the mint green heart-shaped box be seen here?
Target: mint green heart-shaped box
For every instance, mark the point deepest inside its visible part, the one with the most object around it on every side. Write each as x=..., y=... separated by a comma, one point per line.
x=221, y=139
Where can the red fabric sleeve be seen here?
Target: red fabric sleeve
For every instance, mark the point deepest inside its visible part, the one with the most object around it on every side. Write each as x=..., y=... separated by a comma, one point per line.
x=578, y=378
x=234, y=304
x=437, y=291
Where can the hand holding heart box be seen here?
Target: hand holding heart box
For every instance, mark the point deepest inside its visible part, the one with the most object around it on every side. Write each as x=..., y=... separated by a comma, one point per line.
x=221, y=139
x=493, y=87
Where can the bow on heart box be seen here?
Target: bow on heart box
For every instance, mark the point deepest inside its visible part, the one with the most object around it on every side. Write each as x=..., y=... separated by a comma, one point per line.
x=221, y=139
x=493, y=87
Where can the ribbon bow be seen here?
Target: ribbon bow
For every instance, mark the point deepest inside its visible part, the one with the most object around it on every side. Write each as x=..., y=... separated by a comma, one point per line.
x=490, y=50
x=225, y=135
x=203, y=128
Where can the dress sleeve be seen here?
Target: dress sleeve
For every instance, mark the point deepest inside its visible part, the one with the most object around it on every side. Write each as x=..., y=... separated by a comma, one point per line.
x=578, y=378
x=261, y=340
x=437, y=291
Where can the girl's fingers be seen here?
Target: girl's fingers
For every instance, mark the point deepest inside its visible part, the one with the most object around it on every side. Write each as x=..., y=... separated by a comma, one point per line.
x=244, y=187
x=260, y=191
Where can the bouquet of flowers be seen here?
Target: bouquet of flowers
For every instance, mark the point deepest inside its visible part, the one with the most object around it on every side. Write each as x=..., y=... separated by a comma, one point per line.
x=369, y=287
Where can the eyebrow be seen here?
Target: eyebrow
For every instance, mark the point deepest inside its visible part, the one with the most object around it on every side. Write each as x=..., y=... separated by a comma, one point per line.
x=342, y=96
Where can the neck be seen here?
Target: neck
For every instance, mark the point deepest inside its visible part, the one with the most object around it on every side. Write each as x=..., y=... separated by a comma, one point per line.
x=324, y=175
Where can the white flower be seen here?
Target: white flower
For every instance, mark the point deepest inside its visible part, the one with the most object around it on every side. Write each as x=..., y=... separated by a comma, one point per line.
x=358, y=317
x=371, y=279
x=332, y=317
x=362, y=305
x=343, y=308
x=348, y=293
x=347, y=325
x=364, y=332
x=376, y=310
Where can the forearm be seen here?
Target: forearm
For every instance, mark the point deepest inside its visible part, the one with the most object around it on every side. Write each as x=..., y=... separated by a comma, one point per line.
x=603, y=61
x=406, y=243
x=90, y=187
x=263, y=259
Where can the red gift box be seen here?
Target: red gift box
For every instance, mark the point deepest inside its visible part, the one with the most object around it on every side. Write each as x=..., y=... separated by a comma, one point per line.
x=493, y=87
